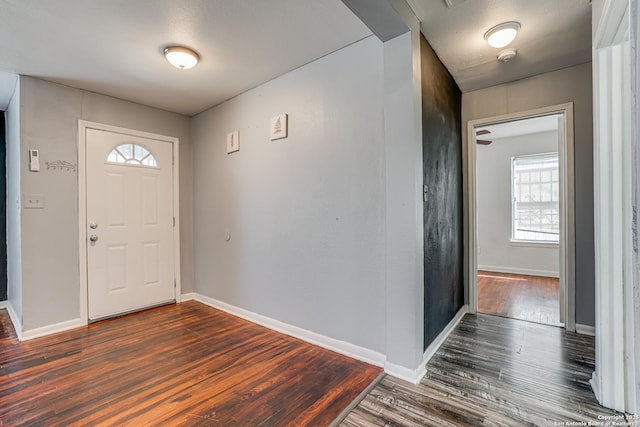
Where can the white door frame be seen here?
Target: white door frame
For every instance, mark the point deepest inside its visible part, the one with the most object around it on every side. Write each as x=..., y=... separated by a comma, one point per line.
x=82, y=205
x=567, y=208
x=614, y=381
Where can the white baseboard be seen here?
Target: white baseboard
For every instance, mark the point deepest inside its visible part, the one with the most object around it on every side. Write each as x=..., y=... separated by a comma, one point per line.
x=516, y=270
x=415, y=375
x=404, y=373
x=4, y=304
x=595, y=386
x=188, y=296
x=342, y=347
x=440, y=339
x=444, y=334
x=585, y=329
x=52, y=329
x=15, y=319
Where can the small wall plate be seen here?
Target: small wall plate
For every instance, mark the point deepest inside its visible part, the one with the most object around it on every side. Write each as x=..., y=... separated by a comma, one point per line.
x=233, y=141
x=453, y=3
x=279, y=127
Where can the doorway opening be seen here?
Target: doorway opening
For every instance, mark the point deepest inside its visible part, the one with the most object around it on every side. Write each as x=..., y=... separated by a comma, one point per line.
x=521, y=206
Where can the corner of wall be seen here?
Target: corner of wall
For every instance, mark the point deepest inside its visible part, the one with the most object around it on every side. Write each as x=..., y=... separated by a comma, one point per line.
x=404, y=216
x=14, y=221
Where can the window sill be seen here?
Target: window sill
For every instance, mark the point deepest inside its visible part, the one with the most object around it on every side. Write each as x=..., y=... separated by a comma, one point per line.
x=534, y=244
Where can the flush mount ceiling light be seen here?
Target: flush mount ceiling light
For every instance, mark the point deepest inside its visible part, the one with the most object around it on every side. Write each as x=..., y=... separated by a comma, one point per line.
x=502, y=34
x=181, y=57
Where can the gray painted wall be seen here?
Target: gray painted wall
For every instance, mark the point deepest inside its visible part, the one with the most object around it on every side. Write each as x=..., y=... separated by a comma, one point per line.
x=49, y=122
x=567, y=85
x=305, y=215
x=597, y=9
x=14, y=246
x=496, y=252
x=404, y=210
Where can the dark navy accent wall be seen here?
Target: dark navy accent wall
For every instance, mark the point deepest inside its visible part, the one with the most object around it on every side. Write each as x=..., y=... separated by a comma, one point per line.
x=442, y=158
x=3, y=209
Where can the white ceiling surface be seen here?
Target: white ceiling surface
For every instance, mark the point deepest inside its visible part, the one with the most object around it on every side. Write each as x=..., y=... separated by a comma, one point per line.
x=520, y=127
x=114, y=47
x=555, y=34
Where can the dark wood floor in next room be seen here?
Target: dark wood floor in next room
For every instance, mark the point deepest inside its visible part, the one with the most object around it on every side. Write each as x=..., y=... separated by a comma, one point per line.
x=518, y=296
x=186, y=364
x=493, y=371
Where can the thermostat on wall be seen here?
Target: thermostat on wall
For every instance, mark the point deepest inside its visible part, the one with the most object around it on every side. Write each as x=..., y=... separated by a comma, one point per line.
x=34, y=160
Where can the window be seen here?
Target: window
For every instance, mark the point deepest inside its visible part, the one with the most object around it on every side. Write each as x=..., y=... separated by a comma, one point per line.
x=536, y=198
x=132, y=154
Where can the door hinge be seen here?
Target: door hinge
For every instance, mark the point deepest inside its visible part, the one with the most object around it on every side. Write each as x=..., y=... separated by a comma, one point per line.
x=175, y=285
x=174, y=221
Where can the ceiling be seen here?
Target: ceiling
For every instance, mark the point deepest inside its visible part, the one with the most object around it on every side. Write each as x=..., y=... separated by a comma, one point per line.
x=521, y=127
x=114, y=46
x=555, y=34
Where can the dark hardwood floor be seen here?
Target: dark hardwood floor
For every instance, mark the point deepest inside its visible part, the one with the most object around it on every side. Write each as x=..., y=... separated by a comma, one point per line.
x=518, y=296
x=493, y=371
x=185, y=364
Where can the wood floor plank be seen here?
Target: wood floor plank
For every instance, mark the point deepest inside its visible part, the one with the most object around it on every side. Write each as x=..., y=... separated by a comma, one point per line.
x=493, y=371
x=519, y=296
x=183, y=365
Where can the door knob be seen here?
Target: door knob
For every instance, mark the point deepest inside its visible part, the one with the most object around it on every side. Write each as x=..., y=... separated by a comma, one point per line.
x=93, y=225
x=93, y=238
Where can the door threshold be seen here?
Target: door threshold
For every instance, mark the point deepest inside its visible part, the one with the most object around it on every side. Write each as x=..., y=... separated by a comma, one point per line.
x=135, y=310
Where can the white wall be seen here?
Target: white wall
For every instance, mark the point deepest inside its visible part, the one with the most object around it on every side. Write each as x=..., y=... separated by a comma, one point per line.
x=567, y=85
x=14, y=246
x=496, y=252
x=305, y=215
x=49, y=123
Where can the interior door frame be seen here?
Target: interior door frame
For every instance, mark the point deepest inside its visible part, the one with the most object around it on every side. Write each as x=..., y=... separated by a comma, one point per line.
x=615, y=78
x=83, y=126
x=567, y=208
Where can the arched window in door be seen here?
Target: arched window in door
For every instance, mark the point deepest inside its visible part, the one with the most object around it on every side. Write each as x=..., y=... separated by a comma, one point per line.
x=132, y=154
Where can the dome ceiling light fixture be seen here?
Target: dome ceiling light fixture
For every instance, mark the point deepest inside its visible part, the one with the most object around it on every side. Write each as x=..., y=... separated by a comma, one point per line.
x=502, y=34
x=181, y=57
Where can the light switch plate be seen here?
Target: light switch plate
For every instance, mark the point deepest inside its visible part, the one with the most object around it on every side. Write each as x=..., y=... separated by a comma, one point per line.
x=33, y=201
x=279, y=127
x=233, y=142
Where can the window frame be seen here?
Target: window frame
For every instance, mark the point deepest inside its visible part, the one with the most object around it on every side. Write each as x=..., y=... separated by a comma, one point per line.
x=528, y=242
x=133, y=161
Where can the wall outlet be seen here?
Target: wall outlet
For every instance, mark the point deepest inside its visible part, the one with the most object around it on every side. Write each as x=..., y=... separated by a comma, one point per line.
x=33, y=201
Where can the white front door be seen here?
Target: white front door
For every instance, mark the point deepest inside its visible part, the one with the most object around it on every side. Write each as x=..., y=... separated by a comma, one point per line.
x=129, y=199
